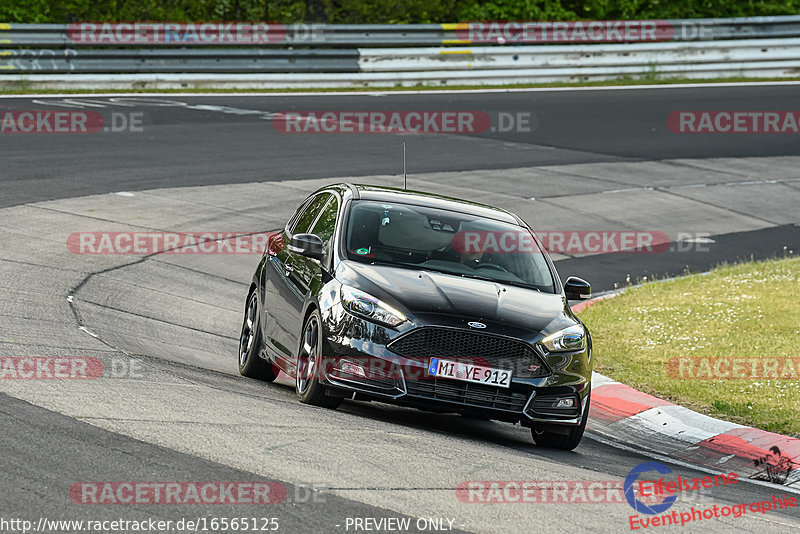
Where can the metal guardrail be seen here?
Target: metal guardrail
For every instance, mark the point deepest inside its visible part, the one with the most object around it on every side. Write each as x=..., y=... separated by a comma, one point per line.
x=387, y=79
x=402, y=35
x=371, y=55
x=311, y=35
x=652, y=57
x=178, y=60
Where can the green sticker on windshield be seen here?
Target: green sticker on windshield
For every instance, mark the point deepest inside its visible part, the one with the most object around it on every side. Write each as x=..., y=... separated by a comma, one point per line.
x=362, y=251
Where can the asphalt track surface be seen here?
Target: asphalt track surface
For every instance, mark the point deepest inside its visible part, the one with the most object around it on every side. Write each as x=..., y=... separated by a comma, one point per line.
x=595, y=159
x=182, y=147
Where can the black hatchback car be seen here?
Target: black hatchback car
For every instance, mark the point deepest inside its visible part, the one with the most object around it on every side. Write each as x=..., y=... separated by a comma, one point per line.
x=373, y=293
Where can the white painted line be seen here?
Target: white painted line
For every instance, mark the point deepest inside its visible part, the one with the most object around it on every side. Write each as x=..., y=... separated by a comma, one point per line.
x=688, y=186
x=83, y=328
x=697, y=239
x=124, y=194
x=625, y=190
x=424, y=92
x=685, y=186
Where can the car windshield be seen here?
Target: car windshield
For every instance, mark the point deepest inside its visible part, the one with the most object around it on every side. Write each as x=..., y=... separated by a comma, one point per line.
x=446, y=241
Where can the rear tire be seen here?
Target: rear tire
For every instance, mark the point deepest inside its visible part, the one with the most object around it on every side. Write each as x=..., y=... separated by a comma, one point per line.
x=566, y=442
x=309, y=362
x=251, y=364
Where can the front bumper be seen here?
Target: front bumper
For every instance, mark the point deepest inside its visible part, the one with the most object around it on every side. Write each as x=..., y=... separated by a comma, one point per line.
x=358, y=363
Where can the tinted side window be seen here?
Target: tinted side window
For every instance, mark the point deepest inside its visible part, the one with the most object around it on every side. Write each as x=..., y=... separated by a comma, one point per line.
x=303, y=223
x=326, y=223
x=296, y=215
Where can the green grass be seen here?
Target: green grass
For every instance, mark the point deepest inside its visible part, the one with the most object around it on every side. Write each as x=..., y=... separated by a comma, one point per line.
x=747, y=310
x=647, y=79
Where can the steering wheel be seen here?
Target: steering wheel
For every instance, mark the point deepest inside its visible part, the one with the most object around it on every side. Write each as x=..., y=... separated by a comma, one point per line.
x=492, y=266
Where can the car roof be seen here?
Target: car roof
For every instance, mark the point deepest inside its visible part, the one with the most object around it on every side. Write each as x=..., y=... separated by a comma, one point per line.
x=429, y=200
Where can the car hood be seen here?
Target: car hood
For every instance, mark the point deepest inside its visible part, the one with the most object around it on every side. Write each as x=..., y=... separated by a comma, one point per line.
x=431, y=292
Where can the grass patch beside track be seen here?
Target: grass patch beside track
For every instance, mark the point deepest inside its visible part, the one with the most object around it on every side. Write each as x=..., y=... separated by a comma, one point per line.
x=735, y=319
x=23, y=88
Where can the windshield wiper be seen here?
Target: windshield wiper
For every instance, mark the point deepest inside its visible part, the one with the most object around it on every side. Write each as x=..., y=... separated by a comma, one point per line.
x=397, y=264
x=507, y=282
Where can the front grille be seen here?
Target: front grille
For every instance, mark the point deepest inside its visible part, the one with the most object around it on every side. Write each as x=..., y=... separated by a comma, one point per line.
x=467, y=394
x=464, y=345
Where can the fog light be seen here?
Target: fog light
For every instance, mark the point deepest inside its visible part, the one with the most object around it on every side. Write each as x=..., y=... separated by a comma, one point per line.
x=351, y=368
x=564, y=405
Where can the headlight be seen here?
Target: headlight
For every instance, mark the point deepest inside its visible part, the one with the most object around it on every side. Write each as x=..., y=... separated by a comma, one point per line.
x=572, y=338
x=367, y=306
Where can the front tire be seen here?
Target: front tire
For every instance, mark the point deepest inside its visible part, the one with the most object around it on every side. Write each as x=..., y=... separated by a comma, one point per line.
x=309, y=364
x=251, y=364
x=567, y=442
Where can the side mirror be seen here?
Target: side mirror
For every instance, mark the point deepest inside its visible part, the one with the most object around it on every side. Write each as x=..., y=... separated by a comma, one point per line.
x=577, y=289
x=308, y=245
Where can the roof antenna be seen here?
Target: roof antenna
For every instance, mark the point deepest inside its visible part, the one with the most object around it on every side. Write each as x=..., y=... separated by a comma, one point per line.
x=405, y=177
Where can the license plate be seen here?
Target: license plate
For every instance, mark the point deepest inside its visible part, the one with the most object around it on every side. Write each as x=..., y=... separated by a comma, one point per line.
x=467, y=372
